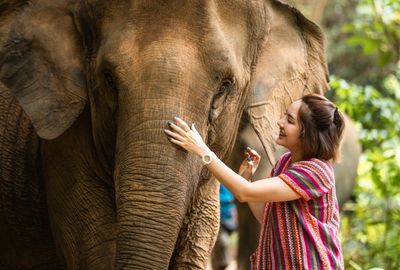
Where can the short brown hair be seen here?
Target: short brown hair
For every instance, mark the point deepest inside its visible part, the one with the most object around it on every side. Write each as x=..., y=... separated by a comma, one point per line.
x=322, y=126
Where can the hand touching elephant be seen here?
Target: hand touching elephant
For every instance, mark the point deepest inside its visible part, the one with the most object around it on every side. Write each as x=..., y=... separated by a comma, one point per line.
x=87, y=89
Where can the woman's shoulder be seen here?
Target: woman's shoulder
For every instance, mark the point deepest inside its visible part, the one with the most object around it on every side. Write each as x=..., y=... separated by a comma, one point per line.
x=315, y=164
x=285, y=156
x=283, y=159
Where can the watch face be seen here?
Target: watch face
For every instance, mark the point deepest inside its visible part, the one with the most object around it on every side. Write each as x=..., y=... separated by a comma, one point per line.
x=207, y=158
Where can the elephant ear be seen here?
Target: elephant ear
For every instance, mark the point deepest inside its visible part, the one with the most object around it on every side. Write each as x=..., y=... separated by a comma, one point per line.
x=291, y=64
x=41, y=64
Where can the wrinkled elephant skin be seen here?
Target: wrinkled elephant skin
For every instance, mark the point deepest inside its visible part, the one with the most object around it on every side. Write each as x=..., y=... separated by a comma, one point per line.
x=87, y=89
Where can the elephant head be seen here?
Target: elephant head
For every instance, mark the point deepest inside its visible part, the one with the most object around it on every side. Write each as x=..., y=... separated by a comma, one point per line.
x=127, y=68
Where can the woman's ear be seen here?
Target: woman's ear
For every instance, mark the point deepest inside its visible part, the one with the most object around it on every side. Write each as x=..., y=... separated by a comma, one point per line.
x=41, y=63
x=291, y=64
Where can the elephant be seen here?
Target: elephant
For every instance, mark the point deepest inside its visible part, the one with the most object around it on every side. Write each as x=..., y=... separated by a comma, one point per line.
x=345, y=174
x=88, y=178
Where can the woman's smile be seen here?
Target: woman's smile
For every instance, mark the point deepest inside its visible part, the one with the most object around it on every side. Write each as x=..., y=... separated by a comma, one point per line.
x=281, y=133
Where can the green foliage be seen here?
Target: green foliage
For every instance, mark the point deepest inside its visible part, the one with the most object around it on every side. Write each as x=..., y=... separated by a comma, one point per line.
x=370, y=230
x=371, y=32
x=376, y=30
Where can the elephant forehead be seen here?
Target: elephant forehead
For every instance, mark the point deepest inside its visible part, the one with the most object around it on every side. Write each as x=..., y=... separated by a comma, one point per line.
x=125, y=48
x=196, y=22
x=195, y=14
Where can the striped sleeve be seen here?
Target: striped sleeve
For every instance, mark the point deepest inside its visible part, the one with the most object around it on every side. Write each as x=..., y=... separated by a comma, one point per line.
x=310, y=179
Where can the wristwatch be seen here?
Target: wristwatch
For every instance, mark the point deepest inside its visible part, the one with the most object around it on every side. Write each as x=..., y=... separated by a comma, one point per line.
x=208, y=157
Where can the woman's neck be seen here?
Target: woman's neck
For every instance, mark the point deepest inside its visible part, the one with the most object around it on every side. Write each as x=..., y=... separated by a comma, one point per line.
x=296, y=156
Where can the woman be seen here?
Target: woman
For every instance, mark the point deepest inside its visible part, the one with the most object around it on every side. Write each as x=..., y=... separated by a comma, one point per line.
x=296, y=205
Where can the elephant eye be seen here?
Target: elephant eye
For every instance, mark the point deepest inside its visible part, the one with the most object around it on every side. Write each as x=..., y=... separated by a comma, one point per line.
x=217, y=103
x=226, y=87
x=108, y=78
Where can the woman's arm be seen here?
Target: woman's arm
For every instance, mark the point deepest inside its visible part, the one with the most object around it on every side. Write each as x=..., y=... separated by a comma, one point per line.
x=258, y=210
x=271, y=189
x=266, y=190
x=247, y=169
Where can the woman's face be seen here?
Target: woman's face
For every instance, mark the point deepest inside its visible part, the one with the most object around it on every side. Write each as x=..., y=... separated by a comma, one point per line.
x=290, y=128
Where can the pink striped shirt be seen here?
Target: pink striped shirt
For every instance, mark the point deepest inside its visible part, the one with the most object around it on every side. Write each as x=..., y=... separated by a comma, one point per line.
x=301, y=234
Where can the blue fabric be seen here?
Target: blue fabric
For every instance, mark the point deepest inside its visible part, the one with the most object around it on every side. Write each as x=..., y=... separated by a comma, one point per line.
x=228, y=209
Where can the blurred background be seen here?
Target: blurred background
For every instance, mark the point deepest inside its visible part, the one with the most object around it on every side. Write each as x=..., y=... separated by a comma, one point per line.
x=363, y=50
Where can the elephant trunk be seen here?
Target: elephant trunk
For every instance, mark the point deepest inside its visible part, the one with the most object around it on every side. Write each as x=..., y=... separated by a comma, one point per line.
x=154, y=184
x=155, y=180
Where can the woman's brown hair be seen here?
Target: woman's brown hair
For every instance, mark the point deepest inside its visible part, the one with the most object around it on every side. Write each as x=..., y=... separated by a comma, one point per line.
x=322, y=126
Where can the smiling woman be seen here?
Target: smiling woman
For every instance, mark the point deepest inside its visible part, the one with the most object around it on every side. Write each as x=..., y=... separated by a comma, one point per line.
x=297, y=205
x=290, y=131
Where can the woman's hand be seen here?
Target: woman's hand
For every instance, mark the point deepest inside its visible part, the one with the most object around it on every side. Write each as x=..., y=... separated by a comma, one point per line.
x=186, y=137
x=249, y=164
